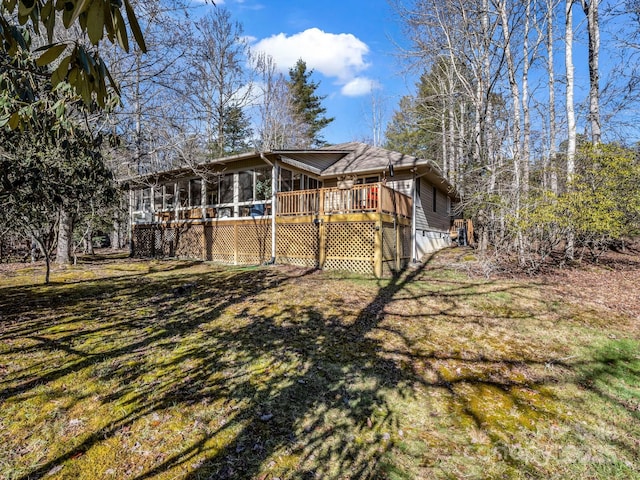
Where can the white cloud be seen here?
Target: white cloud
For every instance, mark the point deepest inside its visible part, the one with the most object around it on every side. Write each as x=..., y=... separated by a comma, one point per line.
x=340, y=56
x=359, y=86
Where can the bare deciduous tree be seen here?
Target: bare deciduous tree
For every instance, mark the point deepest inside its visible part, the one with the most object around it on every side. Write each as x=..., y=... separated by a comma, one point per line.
x=218, y=81
x=280, y=127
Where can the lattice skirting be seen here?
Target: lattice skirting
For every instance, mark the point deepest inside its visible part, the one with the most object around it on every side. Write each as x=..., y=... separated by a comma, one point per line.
x=344, y=245
x=350, y=246
x=253, y=243
x=298, y=244
x=220, y=243
x=243, y=244
x=389, y=249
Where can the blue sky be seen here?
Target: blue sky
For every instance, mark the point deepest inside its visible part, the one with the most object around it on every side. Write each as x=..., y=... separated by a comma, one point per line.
x=353, y=47
x=349, y=44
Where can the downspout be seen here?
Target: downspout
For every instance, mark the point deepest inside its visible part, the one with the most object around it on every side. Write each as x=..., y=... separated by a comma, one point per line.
x=414, y=246
x=274, y=205
x=414, y=227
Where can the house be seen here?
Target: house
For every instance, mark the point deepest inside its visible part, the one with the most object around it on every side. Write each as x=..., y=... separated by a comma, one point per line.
x=348, y=207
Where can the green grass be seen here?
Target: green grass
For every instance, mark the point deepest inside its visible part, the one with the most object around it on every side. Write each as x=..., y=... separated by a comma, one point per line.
x=148, y=369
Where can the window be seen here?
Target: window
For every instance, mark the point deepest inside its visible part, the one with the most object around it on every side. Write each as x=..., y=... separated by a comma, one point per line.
x=245, y=186
x=313, y=183
x=435, y=198
x=195, y=192
x=226, y=188
x=297, y=181
x=212, y=191
x=146, y=200
x=263, y=184
x=418, y=182
x=232, y=194
x=183, y=193
x=364, y=180
x=157, y=198
x=169, y=196
x=286, y=180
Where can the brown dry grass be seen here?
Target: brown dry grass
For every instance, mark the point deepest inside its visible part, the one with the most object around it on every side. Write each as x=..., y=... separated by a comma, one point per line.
x=147, y=369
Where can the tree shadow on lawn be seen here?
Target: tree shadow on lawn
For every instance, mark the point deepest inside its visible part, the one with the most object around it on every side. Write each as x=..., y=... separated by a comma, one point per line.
x=286, y=389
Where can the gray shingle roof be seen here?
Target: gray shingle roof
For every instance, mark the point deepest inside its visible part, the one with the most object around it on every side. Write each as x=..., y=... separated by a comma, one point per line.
x=365, y=158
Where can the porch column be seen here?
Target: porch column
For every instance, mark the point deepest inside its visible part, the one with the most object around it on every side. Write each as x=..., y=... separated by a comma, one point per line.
x=130, y=229
x=203, y=197
x=176, y=201
x=274, y=208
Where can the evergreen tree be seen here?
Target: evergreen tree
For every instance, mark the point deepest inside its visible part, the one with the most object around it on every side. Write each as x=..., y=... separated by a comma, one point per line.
x=403, y=132
x=237, y=133
x=219, y=82
x=436, y=123
x=307, y=104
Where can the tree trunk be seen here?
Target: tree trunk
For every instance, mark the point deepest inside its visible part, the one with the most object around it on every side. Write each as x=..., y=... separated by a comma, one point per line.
x=65, y=232
x=526, y=126
x=551, y=161
x=590, y=9
x=115, y=236
x=41, y=244
x=88, y=243
x=517, y=132
x=571, y=120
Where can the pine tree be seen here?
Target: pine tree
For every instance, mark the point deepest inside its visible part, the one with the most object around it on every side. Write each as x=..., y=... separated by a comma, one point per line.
x=403, y=132
x=307, y=104
x=237, y=131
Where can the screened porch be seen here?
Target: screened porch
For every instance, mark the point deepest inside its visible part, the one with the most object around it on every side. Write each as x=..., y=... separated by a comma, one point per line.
x=356, y=199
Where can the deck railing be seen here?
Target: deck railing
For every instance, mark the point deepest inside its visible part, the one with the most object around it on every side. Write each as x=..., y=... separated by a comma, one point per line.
x=373, y=197
x=367, y=198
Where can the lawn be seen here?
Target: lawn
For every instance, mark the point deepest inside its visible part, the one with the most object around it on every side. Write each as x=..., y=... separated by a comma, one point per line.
x=146, y=369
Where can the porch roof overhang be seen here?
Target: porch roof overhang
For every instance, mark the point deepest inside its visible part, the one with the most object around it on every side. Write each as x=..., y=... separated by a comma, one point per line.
x=313, y=161
x=328, y=162
x=367, y=160
x=194, y=169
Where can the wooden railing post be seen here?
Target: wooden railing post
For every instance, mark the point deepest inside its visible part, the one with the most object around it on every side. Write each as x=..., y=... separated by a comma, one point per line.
x=398, y=247
x=322, y=243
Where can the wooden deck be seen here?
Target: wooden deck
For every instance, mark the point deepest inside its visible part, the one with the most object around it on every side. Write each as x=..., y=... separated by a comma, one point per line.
x=372, y=198
x=464, y=226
